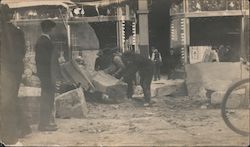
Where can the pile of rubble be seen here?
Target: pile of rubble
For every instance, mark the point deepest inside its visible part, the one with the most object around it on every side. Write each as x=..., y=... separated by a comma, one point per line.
x=72, y=103
x=29, y=76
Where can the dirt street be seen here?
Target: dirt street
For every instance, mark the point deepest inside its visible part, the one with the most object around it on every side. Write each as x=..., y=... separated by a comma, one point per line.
x=177, y=121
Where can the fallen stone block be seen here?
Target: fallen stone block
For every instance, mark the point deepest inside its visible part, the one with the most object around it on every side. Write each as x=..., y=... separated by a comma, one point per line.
x=109, y=85
x=236, y=99
x=71, y=72
x=71, y=104
x=165, y=87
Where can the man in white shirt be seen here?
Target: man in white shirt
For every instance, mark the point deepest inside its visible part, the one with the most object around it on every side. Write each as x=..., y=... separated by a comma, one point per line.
x=156, y=58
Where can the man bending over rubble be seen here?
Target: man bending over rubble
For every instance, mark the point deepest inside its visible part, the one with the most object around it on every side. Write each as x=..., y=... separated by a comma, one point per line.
x=135, y=62
x=117, y=66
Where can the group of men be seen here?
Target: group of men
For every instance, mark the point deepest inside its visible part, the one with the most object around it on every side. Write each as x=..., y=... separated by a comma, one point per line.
x=13, y=124
x=220, y=54
x=124, y=66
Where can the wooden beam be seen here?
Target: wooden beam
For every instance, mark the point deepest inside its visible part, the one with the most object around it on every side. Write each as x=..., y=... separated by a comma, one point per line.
x=216, y=13
x=77, y=20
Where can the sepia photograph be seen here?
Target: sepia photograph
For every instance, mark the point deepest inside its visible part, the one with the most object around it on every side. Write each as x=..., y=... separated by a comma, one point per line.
x=124, y=73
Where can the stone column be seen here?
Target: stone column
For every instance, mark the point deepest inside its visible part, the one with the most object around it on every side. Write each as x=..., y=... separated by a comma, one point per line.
x=143, y=27
x=120, y=26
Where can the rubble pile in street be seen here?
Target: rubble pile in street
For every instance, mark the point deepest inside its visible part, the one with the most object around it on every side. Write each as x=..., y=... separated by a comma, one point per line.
x=97, y=81
x=29, y=75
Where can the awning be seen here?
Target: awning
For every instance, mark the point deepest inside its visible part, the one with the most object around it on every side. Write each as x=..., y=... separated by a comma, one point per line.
x=32, y=3
x=101, y=3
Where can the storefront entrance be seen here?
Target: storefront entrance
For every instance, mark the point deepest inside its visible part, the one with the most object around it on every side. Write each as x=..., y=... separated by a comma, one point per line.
x=221, y=33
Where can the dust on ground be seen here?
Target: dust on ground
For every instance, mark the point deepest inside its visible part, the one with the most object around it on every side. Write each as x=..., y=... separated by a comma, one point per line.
x=170, y=121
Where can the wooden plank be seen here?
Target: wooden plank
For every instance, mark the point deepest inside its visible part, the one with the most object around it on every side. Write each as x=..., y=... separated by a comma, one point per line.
x=77, y=20
x=215, y=13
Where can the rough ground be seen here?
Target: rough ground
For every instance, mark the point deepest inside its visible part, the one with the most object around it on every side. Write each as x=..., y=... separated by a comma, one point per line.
x=170, y=121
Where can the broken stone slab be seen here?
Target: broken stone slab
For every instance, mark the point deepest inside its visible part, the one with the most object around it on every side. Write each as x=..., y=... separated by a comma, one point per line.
x=109, y=85
x=236, y=98
x=71, y=72
x=166, y=87
x=71, y=104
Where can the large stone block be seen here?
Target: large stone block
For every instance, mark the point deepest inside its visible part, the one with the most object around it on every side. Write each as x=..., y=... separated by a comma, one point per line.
x=109, y=85
x=71, y=104
x=71, y=72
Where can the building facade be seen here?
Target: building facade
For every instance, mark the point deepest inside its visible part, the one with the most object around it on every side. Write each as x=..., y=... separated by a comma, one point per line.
x=213, y=23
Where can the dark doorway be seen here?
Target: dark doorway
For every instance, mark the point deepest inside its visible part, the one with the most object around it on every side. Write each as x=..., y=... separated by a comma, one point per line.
x=159, y=27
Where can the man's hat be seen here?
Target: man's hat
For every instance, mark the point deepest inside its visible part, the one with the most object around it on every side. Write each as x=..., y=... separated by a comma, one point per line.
x=48, y=24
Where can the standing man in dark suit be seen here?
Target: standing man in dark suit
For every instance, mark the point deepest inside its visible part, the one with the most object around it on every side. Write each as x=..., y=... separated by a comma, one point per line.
x=45, y=60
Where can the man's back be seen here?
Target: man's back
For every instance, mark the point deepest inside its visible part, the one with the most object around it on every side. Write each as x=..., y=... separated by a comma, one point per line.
x=44, y=49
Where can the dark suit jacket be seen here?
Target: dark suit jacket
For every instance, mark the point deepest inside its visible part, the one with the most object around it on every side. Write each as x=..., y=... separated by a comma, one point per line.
x=12, y=49
x=44, y=50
